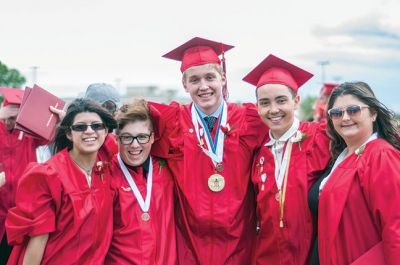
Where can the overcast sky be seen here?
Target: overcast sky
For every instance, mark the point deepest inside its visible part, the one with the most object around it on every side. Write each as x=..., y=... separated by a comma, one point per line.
x=78, y=42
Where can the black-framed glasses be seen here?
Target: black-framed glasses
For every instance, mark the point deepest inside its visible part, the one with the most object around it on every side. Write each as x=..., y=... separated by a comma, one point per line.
x=127, y=139
x=352, y=110
x=81, y=127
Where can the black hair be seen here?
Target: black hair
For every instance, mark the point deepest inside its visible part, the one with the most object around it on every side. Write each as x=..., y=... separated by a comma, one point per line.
x=78, y=106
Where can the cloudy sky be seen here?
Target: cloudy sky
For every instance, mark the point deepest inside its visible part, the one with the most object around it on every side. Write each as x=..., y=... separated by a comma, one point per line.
x=78, y=42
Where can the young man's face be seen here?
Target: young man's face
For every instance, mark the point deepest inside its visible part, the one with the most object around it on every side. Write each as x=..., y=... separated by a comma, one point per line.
x=204, y=84
x=276, y=106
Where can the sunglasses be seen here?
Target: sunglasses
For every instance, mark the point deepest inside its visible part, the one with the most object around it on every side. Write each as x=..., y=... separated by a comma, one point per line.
x=352, y=111
x=140, y=138
x=84, y=127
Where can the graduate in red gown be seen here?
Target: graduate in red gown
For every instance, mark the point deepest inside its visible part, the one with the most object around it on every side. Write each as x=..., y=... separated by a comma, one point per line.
x=358, y=210
x=213, y=146
x=144, y=226
x=63, y=212
x=17, y=150
x=320, y=106
x=291, y=159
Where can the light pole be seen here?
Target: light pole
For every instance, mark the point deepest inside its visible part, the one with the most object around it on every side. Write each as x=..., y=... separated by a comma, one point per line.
x=323, y=64
x=34, y=74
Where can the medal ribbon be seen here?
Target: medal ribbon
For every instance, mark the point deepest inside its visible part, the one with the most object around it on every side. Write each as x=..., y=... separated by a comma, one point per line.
x=144, y=204
x=215, y=149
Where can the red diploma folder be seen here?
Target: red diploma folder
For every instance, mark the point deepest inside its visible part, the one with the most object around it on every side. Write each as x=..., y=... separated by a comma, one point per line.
x=35, y=117
x=373, y=256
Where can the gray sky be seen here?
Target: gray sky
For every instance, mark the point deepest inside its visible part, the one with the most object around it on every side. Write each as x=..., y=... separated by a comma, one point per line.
x=78, y=42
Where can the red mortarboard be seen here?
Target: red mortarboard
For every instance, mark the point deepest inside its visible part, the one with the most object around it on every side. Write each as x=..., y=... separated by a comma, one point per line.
x=198, y=51
x=12, y=95
x=273, y=70
x=328, y=88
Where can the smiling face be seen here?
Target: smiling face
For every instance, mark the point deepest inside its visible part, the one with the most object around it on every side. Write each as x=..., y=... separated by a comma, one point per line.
x=355, y=129
x=135, y=154
x=204, y=84
x=88, y=141
x=276, y=106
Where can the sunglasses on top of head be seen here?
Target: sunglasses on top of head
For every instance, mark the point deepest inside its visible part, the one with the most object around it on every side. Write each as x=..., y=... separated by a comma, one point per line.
x=352, y=110
x=81, y=127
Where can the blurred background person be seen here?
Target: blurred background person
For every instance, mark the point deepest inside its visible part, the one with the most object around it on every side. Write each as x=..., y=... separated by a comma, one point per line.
x=144, y=226
x=17, y=150
x=104, y=94
x=322, y=101
x=63, y=210
x=357, y=203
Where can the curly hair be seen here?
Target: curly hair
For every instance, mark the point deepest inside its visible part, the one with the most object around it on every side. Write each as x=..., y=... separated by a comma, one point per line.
x=75, y=107
x=384, y=125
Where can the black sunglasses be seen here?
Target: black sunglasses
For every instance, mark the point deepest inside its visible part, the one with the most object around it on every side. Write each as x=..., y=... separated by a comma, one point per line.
x=352, y=110
x=83, y=127
x=127, y=139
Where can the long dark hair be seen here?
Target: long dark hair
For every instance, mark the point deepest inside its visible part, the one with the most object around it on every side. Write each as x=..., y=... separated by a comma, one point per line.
x=384, y=125
x=78, y=106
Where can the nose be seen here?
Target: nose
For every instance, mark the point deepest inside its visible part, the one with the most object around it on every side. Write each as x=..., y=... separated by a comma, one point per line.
x=135, y=142
x=273, y=108
x=89, y=130
x=203, y=84
x=345, y=116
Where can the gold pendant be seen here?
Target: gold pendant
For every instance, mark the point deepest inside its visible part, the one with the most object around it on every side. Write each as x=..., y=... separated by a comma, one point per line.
x=216, y=182
x=145, y=217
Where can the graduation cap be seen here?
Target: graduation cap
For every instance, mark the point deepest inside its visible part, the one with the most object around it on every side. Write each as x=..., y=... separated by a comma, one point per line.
x=11, y=96
x=328, y=88
x=273, y=70
x=198, y=51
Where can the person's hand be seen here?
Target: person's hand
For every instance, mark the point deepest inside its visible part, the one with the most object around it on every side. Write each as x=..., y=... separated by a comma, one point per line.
x=2, y=179
x=59, y=112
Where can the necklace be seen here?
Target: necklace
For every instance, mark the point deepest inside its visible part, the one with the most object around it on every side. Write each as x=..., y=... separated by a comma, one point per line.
x=87, y=172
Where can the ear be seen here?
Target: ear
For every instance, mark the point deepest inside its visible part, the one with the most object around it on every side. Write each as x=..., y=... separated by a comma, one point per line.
x=68, y=135
x=184, y=82
x=297, y=101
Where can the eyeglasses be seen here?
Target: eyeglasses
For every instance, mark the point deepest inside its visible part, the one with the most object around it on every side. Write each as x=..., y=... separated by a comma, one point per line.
x=352, y=111
x=83, y=127
x=142, y=138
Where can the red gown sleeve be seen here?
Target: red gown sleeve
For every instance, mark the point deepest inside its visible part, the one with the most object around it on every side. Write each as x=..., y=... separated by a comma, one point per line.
x=38, y=195
x=167, y=129
x=317, y=151
x=380, y=181
x=254, y=131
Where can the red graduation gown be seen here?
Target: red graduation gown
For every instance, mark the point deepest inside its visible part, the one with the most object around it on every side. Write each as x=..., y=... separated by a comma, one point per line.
x=138, y=242
x=291, y=244
x=359, y=206
x=55, y=198
x=15, y=155
x=214, y=227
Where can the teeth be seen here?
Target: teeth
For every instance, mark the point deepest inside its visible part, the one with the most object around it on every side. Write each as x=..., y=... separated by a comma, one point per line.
x=89, y=139
x=135, y=152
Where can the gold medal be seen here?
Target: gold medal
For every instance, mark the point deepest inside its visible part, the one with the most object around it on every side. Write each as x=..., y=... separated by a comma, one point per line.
x=145, y=217
x=216, y=182
x=219, y=168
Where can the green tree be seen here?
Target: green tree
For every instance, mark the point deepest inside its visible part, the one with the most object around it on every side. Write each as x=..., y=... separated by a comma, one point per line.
x=306, y=107
x=10, y=77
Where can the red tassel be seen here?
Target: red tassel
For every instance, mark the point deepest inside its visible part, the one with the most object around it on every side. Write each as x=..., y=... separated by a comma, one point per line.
x=225, y=92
